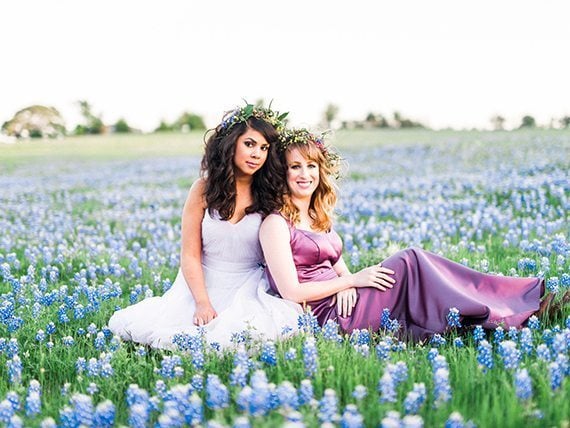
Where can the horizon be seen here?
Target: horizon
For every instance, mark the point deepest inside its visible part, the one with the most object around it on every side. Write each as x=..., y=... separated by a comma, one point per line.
x=445, y=65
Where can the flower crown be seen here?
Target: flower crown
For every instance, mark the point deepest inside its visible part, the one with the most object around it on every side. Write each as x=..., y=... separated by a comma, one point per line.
x=243, y=114
x=303, y=136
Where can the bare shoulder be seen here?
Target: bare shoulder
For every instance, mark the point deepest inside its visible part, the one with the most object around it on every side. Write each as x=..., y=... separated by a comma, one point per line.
x=196, y=193
x=274, y=222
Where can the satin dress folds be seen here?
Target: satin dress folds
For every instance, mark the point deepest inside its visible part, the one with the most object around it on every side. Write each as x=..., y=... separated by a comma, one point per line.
x=427, y=286
x=236, y=282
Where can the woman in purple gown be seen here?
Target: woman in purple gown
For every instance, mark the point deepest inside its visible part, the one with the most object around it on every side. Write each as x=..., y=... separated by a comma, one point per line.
x=303, y=255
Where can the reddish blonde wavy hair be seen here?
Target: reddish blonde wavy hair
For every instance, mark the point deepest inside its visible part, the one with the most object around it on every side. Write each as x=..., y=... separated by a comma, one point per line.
x=324, y=198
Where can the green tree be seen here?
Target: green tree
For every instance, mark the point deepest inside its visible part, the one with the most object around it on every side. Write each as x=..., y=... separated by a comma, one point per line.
x=528, y=122
x=163, y=127
x=498, y=122
x=189, y=120
x=93, y=124
x=330, y=114
x=565, y=121
x=122, y=127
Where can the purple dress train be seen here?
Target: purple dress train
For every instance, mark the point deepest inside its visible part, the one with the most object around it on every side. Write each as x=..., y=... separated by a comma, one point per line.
x=426, y=287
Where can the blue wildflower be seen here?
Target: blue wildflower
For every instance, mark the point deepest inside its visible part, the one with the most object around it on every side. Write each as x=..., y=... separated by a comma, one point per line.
x=310, y=359
x=217, y=395
x=328, y=407
x=269, y=353
x=523, y=384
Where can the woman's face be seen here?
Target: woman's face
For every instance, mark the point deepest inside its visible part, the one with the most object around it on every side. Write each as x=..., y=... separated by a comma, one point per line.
x=251, y=152
x=302, y=174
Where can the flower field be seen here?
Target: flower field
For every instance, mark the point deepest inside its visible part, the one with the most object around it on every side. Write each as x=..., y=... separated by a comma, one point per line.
x=80, y=238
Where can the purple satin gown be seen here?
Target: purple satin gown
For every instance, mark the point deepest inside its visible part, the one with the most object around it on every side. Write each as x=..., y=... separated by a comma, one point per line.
x=426, y=287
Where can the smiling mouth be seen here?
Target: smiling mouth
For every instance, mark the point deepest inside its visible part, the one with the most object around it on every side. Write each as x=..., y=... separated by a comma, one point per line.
x=252, y=164
x=304, y=183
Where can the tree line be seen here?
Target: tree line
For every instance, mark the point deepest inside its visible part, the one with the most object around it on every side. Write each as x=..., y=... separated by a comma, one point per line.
x=40, y=122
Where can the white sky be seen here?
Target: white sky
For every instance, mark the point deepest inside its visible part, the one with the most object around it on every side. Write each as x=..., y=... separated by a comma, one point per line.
x=443, y=62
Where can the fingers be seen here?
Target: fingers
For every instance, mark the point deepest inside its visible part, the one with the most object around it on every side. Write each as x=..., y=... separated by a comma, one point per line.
x=386, y=270
x=203, y=319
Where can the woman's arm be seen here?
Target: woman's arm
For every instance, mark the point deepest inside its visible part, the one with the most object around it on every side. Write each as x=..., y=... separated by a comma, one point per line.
x=191, y=252
x=274, y=237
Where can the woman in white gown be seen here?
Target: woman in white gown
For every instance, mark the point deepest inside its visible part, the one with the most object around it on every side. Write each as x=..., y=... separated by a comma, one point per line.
x=221, y=284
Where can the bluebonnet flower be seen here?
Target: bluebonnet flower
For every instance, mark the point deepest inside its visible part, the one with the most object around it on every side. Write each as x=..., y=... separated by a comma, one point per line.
x=556, y=375
x=547, y=336
x=387, y=388
x=48, y=422
x=92, y=329
x=513, y=334
x=510, y=354
x=478, y=333
x=455, y=420
x=287, y=396
x=533, y=323
x=290, y=354
x=560, y=343
x=138, y=415
x=40, y=336
x=485, y=355
x=93, y=367
x=359, y=392
x=360, y=337
x=92, y=388
x=439, y=362
x=310, y=356
x=14, y=366
x=498, y=335
x=523, y=384
x=399, y=371
x=68, y=341
x=385, y=318
x=328, y=406
x=351, y=418
x=437, y=340
x=308, y=323
x=195, y=410
x=330, y=331
x=33, y=403
x=458, y=342
x=553, y=284
x=452, y=317
x=415, y=398
x=383, y=350
x=412, y=421
x=543, y=352
x=442, y=389
x=268, y=353
x=15, y=422
x=526, y=341
x=305, y=392
x=363, y=350
x=83, y=409
x=432, y=353
x=168, y=366
x=99, y=341
x=6, y=411
x=197, y=382
x=391, y=420
x=563, y=362
x=217, y=395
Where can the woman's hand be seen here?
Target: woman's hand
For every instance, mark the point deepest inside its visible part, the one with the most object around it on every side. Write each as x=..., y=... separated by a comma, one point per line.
x=345, y=301
x=375, y=276
x=204, y=313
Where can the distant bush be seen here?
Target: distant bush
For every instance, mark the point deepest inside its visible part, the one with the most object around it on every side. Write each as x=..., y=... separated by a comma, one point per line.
x=121, y=127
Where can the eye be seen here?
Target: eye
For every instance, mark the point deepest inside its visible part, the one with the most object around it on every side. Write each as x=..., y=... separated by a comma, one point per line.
x=312, y=165
x=295, y=166
x=264, y=148
x=249, y=143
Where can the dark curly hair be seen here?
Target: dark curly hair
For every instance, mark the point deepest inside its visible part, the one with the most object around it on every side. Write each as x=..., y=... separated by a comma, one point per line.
x=217, y=169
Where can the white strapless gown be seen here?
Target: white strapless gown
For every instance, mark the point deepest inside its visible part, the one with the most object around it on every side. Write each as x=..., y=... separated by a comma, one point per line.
x=236, y=284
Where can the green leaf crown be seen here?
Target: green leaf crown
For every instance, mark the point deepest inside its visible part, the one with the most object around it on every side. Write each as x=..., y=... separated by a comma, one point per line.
x=243, y=114
x=303, y=136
